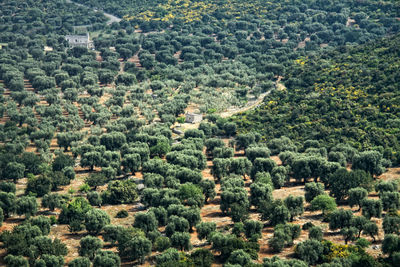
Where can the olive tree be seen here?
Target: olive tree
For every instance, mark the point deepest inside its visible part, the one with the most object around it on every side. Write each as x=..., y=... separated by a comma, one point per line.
x=146, y=221
x=89, y=246
x=312, y=190
x=371, y=208
x=356, y=196
x=324, y=203
x=26, y=205
x=95, y=220
x=137, y=249
x=181, y=241
x=310, y=251
x=371, y=229
x=295, y=206
x=340, y=219
x=205, y=229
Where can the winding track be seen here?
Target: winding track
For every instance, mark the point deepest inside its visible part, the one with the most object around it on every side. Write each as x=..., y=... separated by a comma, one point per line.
x=111, y=18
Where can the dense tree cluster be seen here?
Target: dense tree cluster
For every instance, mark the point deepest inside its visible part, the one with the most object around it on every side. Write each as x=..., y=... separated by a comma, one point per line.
x=102, y=120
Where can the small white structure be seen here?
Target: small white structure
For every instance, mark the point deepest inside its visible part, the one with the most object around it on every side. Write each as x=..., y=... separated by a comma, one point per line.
x=79, y=41
x=193, y=117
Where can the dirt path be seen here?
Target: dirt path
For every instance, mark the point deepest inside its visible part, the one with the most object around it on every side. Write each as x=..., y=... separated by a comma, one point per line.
x=232, y=111
x=250, y=105
x=111, y=18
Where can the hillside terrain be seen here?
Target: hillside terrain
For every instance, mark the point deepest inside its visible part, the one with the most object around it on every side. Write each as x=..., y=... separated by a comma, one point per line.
x=349, y=95
x=295, y=162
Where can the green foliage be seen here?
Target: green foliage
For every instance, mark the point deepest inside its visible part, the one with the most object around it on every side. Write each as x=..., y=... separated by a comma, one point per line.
x=386, y=186
x=170, y=255
x=371, y=208
x=349, y=234
x=74, y=211
x=62, y=161
x=317, y=85
x=18, y=241
x=257, y=152
x=276, y=261
x=122, y=214
x=342, y=181
x=295, y=206
x=7, y=187
x=94, y=198
x=26, y=206
x=16, y=261
x=371, y=229
x=259, y=193
x=106, y=258
x=7, y=203
x=324, y=203
x=53, y=201
x=42, y=222
x=136, y=249
x=239, y=257
x=176, y=224
x=162, y=243
x=89, y=246
x=191, y=194
x=356, y=195
x=262, y=165
x=202, y=257
x=391, y=224
x=252, y=229
x=369, y=161
x=235, y=203
x=390, y=200
x=390, y=244
x=145, y=221
x=208, y=188
x=315, y=233
x=95, y=220
x=50, y=260
x=205, y=229
x=359, y=223
x=312, y=190
x=181, y=241
x=284, y=235
x=1, y=216
x=309, y=251
x=39, y=185
x=275, y=211
x=14, y=171
x=342, y=100
x=279, y=176
x=340, y=219
x=96, y=179
x=79, y=262
x=43, y=245
x=120, y=192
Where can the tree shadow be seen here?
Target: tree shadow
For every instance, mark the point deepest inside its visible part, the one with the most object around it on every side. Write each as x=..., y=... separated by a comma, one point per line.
x=76, y=236
x=314, y=217
x=215, y=201
x=214, y=214
x=14, y=220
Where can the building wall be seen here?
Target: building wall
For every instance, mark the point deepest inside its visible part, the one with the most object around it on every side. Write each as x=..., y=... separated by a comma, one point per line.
x=193, y=118
x=79, y=41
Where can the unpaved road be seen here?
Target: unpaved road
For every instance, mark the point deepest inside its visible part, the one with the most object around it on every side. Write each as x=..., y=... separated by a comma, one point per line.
x=250, y=105
x=111, y=18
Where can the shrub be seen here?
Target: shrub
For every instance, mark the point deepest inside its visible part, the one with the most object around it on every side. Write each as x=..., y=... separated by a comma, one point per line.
x=122, y=214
